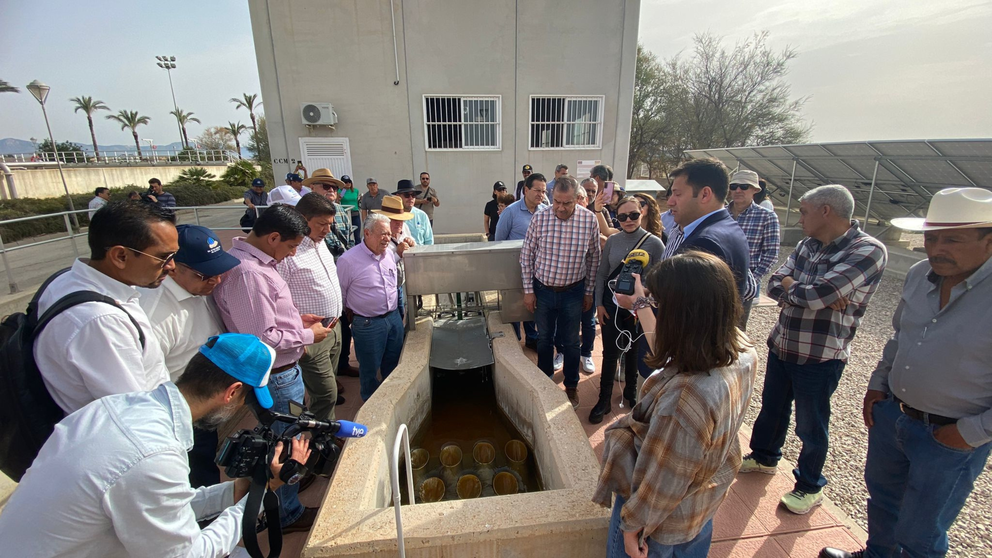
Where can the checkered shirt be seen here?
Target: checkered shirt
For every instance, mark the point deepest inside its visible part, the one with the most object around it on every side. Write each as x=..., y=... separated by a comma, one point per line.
x=312, y=277
x=761, y=228
x=558, y=253
x=848, y=267
x=342, y=224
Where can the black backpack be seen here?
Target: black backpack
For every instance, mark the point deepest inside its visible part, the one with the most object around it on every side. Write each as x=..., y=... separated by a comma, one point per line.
x=28, y=414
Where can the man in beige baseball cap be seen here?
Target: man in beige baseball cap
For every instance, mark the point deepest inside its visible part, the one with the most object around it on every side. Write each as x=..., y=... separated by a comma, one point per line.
x=929, y=403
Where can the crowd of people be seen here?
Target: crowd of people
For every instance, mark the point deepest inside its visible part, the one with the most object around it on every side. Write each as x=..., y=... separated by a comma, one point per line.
x=194, y=332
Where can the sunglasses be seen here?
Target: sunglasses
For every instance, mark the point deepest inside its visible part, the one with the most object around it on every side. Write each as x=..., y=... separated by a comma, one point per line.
x=633, y=216
x=165, y=261
x=200, y=276
x=742, y=187
x=327, y=187
x=408, y=195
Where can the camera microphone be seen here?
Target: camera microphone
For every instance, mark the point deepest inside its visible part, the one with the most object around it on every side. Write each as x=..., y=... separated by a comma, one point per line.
x=635, y=262
x=348, y=429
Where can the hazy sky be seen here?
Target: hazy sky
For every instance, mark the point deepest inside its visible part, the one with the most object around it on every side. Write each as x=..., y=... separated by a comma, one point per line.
x=873, y=69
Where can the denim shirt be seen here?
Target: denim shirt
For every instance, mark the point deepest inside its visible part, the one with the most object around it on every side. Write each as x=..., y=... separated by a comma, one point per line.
x=112, y=480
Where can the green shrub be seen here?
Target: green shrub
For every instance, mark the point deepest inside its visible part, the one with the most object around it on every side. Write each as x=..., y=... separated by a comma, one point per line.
x=207, y=193
x=195, y=175
x=240, y=174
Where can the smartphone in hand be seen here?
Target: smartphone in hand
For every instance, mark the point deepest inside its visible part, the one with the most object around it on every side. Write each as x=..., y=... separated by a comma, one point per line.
x=329, y=322
x=608, y=188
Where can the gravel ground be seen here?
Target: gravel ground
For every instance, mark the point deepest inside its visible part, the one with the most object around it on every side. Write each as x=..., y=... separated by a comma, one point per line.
x=971, y=535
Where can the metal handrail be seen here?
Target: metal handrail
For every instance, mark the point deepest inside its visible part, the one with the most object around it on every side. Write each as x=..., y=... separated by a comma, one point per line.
x=124, y=157
x=402, y=436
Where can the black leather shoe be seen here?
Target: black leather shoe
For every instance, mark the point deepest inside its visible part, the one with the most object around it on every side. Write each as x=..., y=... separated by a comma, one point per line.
x=600, y=410
x=837, y=553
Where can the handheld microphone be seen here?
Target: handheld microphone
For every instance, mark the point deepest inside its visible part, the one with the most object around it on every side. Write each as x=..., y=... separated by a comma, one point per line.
x=635, y=262
x=348, y=429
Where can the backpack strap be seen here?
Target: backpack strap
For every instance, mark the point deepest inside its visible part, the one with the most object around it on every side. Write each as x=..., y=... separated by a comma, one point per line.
x=32, y=311
x=79, y=297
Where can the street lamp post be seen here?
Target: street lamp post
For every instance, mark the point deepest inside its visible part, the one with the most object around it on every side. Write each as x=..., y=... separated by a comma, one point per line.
x=40, y=92
x=168, y=63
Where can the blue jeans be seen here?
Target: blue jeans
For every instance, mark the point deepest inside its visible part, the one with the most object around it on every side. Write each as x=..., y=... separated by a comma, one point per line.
x=285, y=387
x=916, y=485
x=356, y=221
x=698, y=547
x=530, y=331
x=562, y=312
x=588, y=331
x=811, y=385
x=378, y=344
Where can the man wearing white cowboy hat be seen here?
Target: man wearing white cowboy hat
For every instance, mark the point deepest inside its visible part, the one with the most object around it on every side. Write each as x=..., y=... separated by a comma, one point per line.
x=928, y=408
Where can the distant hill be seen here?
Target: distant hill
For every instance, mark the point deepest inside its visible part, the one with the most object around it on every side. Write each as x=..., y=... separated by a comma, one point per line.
x=14, y=145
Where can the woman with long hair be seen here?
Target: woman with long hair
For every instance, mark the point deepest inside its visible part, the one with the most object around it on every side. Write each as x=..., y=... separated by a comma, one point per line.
x=651, y=221
x=618, y=326
x=671, y=460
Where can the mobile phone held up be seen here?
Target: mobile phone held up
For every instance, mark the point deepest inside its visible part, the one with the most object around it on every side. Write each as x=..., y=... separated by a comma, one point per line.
x=329, y=322
x=608, y=188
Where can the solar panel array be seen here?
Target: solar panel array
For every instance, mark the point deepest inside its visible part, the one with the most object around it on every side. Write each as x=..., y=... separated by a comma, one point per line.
x=905, y=174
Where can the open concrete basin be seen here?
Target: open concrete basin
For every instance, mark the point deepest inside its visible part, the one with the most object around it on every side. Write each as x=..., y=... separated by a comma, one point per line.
x=357, y=517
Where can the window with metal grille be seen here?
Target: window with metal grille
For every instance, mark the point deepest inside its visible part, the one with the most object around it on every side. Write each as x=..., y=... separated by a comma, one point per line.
x=566, y=122
x=459, y=122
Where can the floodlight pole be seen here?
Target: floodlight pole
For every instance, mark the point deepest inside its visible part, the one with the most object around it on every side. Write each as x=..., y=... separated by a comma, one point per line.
x=788, y=205
x=870, y=192
x=40, y=92
x=168, y=63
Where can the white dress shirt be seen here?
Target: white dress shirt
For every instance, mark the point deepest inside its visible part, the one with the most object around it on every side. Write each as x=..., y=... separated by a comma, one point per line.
x=182, y=322
x=112, y=480
x=312, y=277
x=95, y=204
x=92, y=349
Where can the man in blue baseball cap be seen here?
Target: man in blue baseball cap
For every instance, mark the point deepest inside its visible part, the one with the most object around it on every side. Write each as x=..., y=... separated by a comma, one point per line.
x=296, y=182
x=183, y=316
x=256, y=197
x=120, y=461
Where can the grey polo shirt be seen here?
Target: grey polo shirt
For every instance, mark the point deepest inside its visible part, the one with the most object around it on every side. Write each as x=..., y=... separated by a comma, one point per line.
x=368, y=202
x=939, y=360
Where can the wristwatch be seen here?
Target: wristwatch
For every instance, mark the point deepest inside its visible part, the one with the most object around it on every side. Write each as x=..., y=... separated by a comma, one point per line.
x=292, y=472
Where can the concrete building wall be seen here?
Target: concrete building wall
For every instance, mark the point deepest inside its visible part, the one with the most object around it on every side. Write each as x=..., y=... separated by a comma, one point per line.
x=342, y=53
x=46, y=182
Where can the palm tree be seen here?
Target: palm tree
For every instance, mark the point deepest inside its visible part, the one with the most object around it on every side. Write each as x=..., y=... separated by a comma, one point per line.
x=249, y=103
x=8, y=88
x=236, y=129
x=130, y=119
x=89, y=106
x=184, y=118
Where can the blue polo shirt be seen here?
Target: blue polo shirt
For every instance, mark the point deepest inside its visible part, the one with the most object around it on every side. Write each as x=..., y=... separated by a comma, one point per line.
x=514, y=220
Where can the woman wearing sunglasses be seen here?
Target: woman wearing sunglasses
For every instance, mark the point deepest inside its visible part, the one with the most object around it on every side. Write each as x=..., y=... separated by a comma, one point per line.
x=618, y=327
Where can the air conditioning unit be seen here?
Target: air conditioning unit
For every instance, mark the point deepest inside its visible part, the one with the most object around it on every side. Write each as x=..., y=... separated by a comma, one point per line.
x=318, y=114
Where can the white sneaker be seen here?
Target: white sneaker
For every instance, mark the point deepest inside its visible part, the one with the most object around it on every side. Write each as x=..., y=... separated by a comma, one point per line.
x=559, y=362
x=588, y=367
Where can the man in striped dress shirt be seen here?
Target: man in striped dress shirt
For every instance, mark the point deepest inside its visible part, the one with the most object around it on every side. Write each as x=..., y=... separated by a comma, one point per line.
x=558, y=263
x=312, y=279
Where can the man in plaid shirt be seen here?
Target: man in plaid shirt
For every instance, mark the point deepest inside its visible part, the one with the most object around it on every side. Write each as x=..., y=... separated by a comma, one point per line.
x=760, y=227
x=823, y=290
x=558, y=263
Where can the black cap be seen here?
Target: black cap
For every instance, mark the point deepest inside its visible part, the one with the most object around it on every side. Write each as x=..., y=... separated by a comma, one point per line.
x=527, y=168
x=499, y=185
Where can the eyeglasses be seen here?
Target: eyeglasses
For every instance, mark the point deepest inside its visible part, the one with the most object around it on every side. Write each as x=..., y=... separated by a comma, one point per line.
x=743, y=187
x=633, y=216
x=200, y=276
x=642, y=203
x=165, y=261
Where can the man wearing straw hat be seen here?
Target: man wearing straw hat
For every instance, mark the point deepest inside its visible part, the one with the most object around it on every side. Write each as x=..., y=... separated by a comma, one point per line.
x=928, y=408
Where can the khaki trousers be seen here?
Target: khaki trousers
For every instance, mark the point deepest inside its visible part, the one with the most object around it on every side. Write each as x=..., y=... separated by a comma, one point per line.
x=319, y=364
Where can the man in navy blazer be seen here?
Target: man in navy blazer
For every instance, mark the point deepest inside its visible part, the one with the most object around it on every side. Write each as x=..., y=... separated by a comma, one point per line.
x=699, y=188
x=697, y=202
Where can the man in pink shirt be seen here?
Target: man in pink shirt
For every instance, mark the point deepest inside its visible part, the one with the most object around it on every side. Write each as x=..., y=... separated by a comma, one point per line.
x=253, y=298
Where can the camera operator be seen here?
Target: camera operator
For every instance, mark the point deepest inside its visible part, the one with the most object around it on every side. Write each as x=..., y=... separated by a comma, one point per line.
x=113, y=478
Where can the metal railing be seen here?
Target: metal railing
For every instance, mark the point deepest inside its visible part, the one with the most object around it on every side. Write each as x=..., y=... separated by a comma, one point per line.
x=198, y=213
x=402, y=440
x=155, y=157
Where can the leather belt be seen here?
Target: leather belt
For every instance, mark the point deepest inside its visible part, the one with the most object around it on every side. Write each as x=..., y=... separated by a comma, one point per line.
x=926, y=418
x=284, y=368
x=562, y=289
x=375, y=317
